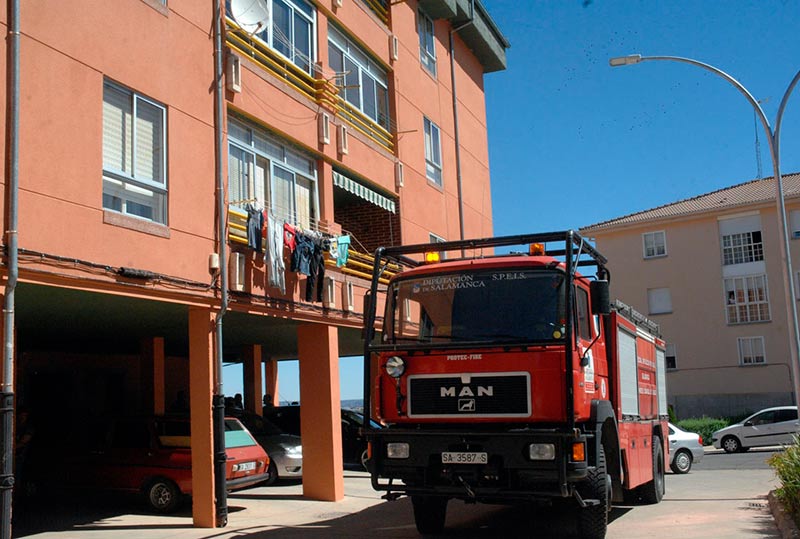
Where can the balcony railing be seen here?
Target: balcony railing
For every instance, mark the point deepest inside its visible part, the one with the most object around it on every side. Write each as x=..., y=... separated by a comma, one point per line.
x=320, y=90
x=380, y=8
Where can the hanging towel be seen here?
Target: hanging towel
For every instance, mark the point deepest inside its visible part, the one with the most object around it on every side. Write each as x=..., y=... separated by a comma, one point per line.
x=343, y=243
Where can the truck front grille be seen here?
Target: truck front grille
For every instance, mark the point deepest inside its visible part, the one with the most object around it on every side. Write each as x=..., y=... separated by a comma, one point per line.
x=469, y=395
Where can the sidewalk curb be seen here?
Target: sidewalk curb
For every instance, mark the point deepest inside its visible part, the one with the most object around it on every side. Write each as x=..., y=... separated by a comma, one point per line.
x=783, y=520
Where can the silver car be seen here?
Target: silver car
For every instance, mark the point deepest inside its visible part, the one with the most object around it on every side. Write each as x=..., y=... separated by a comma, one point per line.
x=284, y=450
x=770, y=426
x=685, y=448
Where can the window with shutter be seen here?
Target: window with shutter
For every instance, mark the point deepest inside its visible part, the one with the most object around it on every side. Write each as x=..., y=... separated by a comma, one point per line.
x=134, y=154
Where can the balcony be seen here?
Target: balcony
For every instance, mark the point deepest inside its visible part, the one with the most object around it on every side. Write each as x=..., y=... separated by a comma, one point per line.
x=320, y=90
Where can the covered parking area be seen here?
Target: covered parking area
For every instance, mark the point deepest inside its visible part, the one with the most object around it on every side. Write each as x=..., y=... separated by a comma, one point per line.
x=92, y=354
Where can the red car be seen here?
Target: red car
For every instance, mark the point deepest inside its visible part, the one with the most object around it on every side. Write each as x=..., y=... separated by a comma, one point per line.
x=152, y=456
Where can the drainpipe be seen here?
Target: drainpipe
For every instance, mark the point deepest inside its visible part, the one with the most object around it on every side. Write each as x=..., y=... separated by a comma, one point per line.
x=455, y=118
x=218, y=401
x=7, y=394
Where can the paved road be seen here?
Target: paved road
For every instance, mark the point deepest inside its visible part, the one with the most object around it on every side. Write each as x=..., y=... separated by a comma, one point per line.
x=723, y=496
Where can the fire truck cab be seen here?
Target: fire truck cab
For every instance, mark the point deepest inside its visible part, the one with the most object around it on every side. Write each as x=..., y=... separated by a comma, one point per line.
x=505, y=378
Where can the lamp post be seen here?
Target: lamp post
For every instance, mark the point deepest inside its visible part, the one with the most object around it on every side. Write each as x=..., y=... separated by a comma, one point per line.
x=774, y=148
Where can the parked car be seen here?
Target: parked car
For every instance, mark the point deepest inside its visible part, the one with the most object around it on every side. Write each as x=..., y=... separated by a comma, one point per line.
x=151, y=456
x=354, y=446
x=685, y=448
x=284, y=450
x=771, y=426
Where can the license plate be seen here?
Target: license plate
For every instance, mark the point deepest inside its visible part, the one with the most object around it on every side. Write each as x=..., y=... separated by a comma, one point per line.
x=247, y=466
x=464, y=457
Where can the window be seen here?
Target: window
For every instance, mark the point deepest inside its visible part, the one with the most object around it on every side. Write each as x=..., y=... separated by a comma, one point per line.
x=433, y=153
x=742, y=248
x=134, y=154
x=292, y=31
x=582, y=319
x=433, y=238
x=427, y=43
x=794, y=222
x=268, y=172
x=751, y=351
x=363, y=81
x=671, y=357
x=747, y=299
x=659, y=300
x=655, y=244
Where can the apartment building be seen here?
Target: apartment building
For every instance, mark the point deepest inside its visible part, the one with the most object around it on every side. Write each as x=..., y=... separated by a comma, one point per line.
x=339, y=126
x=709, y=270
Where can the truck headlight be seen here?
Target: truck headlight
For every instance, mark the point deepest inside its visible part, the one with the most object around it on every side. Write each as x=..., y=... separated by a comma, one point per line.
x=397, y=450
x=542, y=451
x=395, y=366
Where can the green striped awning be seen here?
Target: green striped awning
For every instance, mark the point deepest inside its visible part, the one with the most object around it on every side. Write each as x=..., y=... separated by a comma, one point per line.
x=361, y=190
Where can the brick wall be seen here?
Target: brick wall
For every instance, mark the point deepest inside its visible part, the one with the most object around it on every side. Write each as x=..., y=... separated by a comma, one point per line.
x=370, y=225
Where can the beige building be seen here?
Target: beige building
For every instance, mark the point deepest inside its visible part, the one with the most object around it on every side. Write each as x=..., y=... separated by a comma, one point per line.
x=708, y=269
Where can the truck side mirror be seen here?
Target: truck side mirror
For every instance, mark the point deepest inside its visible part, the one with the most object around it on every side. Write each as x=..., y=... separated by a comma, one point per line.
x=601, y=302
x=367, y=333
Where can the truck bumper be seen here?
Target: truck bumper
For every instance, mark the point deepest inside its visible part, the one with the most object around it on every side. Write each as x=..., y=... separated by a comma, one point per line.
x=508, y=475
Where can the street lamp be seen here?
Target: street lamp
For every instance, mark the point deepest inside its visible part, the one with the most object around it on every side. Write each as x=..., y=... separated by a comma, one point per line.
x=774, y=149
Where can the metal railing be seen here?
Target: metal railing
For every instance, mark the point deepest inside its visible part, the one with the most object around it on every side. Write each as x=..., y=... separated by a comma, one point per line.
x=380, y=8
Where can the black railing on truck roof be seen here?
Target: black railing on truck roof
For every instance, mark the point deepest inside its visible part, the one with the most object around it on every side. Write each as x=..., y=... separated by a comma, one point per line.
x=582, y=254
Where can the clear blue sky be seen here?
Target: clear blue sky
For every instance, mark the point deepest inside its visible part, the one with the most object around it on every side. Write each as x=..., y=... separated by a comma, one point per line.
x=573, y=142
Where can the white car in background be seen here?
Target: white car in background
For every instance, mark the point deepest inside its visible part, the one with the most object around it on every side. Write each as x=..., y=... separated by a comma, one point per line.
x=771, y=426
x=685, y=448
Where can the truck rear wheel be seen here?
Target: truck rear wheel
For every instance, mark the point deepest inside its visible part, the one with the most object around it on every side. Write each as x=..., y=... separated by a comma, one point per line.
x=593, y=520
x=653, y=491
x=429, y=513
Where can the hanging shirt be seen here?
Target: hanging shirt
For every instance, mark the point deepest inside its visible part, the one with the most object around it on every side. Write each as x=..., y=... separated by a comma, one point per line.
x=343, y=244
x=276, y=270
x=289, y=237
x=255, y=222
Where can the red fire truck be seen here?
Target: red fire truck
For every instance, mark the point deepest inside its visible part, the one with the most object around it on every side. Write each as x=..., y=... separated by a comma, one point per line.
x=505, y=378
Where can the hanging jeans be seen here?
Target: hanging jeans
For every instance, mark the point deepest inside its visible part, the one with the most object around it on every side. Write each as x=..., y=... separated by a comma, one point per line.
x=316, y=276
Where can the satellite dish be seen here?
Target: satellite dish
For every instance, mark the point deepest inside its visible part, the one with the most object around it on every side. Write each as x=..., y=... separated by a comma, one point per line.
x=251, y=15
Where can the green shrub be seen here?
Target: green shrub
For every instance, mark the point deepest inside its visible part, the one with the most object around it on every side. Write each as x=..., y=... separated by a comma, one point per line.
x=704, y=426
x=787, y=467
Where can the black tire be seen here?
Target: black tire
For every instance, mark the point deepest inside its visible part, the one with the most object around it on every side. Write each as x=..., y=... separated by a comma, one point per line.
x=430, y=513
x=162, y=495
x=682, y=462
x=653, y=491
x=593, y=520
x=731, y=444
x=273, y=474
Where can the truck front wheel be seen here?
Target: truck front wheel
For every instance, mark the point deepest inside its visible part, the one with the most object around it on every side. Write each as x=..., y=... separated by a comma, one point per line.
x=429, y=513
x=653, y=491
x=593, y=520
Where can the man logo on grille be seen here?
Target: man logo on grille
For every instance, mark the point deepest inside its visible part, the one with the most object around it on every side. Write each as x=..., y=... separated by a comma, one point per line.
x=466, y=405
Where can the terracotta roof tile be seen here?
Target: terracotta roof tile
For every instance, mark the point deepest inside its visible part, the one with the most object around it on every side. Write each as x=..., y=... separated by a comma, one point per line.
x=743, y=194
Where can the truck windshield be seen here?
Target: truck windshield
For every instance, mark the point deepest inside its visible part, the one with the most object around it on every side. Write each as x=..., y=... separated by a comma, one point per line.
x=484, y=306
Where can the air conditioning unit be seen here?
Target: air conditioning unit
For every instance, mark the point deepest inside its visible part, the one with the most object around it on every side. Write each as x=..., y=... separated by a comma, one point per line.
x=236, y=272
x=394, y=47
x=324, y=128
x=398, y=175
x=348, y=297
x=233, y=75
x=329, y=293
x=342, y=140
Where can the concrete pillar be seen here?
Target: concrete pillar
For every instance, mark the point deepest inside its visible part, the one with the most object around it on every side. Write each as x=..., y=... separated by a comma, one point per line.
x=320, y=412
x=271, y=380
x=253, y=380
x=153, y=382
x=201, y=388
